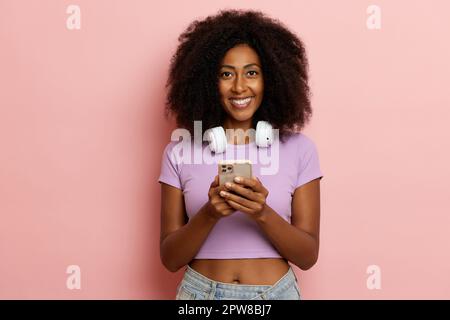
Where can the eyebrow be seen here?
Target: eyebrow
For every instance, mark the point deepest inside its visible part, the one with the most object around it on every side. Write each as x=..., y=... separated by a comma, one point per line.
x=246, y=66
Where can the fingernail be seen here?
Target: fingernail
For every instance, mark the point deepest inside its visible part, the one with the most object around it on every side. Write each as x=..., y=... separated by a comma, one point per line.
x=237, y=179
x=228, y=185
x=223, y=193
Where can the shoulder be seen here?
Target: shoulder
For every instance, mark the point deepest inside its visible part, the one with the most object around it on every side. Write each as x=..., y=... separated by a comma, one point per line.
x=170, y=146
x=308, y=159
x=182, y=151
x=184, y=144
x=169, y=149
x=170, y=153
x=301, y=147
x=299, y=140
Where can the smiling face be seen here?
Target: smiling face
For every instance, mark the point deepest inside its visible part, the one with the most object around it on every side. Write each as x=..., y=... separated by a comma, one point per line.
x=241, y=86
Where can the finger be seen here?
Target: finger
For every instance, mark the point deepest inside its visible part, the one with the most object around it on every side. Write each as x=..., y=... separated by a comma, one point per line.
x=224, y=206
x=221, y=201
x=238, y=206
x=252, y=183
x=240, y=200
x=242, y=191
x=219, y=188
x=217, y=200
x=215, y=183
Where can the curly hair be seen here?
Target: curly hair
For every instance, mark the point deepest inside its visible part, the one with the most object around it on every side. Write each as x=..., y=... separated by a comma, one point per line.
x=193, y=75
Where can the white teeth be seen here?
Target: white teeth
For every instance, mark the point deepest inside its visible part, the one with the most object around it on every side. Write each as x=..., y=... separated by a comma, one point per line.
x=241, y=101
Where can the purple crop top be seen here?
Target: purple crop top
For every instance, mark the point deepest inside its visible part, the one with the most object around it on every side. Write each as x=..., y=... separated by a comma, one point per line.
x=281, y=168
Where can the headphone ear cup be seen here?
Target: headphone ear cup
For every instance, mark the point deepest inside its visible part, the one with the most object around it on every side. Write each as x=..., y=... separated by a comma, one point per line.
x=264, y=134
x=217, y=139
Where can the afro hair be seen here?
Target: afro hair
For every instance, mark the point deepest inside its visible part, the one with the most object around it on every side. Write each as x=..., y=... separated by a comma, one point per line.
x=193, y=75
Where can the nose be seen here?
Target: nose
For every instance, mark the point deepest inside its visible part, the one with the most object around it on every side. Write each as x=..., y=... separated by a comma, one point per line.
x=239, y=84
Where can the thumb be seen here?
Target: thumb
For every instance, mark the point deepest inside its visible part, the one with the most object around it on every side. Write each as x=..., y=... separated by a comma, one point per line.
x=215, y=183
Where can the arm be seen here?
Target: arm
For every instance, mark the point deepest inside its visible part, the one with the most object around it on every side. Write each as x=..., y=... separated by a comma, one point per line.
x=299, y=241
x=180, y=241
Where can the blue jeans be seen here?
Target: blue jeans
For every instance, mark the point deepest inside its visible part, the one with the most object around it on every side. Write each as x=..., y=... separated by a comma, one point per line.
x=196, y=286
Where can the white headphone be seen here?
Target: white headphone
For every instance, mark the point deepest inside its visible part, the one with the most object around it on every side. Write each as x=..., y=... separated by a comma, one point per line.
x=218, y=139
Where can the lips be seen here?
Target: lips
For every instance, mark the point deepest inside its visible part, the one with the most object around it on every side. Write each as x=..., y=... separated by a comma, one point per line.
x=241, y=103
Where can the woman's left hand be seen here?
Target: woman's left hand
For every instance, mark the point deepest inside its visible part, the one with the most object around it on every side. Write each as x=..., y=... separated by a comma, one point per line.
x=249, y=196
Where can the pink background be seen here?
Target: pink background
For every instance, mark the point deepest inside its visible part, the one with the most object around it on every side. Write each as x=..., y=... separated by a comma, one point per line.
x=82, y=131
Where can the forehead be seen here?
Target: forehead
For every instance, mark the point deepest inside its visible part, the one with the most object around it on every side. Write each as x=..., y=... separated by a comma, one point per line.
x=241, y=55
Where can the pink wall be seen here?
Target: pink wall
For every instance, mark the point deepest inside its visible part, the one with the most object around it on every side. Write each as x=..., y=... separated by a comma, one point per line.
x=82, y=130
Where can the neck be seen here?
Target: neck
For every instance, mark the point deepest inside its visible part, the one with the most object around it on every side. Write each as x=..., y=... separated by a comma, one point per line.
x=238, y=136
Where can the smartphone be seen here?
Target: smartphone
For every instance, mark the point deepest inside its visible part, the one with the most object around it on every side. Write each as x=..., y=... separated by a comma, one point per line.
x=228, y=169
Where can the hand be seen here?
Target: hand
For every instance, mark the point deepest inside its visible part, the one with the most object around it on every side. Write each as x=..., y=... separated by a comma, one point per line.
x=249, y=196
x=217, y=206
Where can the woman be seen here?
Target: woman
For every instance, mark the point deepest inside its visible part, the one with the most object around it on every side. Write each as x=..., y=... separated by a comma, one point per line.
x=233, y=70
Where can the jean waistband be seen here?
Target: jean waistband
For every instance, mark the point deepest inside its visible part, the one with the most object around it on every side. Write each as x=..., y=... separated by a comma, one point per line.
x=206, y=284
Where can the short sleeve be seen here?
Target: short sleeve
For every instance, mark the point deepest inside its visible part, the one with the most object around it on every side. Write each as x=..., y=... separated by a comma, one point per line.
x=170, y=171
x=309, y=167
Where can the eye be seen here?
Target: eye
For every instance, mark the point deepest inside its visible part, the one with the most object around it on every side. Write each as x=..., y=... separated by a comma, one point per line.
x=254, y=73
x=221, y=75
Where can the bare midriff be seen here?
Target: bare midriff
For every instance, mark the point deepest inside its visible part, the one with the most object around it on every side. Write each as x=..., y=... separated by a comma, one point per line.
x=242, y=271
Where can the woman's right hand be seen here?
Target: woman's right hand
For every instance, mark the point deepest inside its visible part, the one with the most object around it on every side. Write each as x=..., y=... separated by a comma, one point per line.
x=217, y=206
